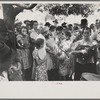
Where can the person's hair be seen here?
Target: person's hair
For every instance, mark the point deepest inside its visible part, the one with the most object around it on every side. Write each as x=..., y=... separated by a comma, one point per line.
x=24, y=28
x=52, y=28
x=63, y=24
x=47, y=24
x=86, y=28
x=39, y=42
x=76, y=28
x=69, y=25
x=59, y=28
x=67, y=33
x=35, y=21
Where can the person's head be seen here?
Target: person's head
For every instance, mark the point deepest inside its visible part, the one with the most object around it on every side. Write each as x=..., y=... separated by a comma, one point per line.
x=92, y=26
x=68, y=35
x=76, y=28
x=64, y=24
x=3, y=31
x=84, y=23
x=27, y=22
x=70, y=27
x=59, y=30
x=86, y=33
x=18, y=24
x=97, y=21
x=55, y=22
x=39, y=43
x=24, y=30
x=34, y=24
x=47, y=25
x=45, y=33
x=52, y=28
x=31, y=23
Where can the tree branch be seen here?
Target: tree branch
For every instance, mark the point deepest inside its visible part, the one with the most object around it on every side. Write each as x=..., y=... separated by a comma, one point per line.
x=26, y=6
x=20, y=7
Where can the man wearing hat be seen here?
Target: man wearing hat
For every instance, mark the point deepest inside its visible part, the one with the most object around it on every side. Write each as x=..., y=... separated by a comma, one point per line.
x=18, y=25
x=27, y=23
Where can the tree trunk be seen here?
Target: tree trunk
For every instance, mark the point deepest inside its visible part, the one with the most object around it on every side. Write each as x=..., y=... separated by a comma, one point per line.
x=9, y=19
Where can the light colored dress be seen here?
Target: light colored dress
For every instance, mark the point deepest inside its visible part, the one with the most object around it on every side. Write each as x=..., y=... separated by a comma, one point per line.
x=40, y=66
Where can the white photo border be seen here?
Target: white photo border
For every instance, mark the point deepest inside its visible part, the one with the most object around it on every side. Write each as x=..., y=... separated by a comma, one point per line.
x=55, y=90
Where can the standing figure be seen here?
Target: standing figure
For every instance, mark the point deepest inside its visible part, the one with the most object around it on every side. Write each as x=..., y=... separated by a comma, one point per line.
x=40, y=61
x=24, y=53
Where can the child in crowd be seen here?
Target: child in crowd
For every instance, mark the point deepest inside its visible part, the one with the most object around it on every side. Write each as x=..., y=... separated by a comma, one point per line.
x=40, y=61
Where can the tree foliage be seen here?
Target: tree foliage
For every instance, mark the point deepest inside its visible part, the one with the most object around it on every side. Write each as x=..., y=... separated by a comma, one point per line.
x=67, y=9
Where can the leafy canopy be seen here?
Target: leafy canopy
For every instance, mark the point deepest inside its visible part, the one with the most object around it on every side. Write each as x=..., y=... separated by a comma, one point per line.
x=67, y=9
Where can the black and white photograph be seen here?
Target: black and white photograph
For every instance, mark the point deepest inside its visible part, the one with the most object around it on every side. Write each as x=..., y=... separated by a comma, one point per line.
x=50, y=41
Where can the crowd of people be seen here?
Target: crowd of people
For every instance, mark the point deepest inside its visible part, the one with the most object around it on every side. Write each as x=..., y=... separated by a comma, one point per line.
x=51, y=52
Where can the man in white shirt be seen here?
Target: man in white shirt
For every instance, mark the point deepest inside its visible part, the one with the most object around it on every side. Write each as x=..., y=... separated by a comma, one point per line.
x=35, y=31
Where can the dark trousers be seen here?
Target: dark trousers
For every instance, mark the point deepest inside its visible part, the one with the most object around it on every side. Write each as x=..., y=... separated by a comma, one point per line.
x=64, y=78
x=81, y=68
x=27, y=73
x=53, y=74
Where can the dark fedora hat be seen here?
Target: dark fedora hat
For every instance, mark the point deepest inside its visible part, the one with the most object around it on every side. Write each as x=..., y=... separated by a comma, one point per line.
x=26, y=21
x=6, y=53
